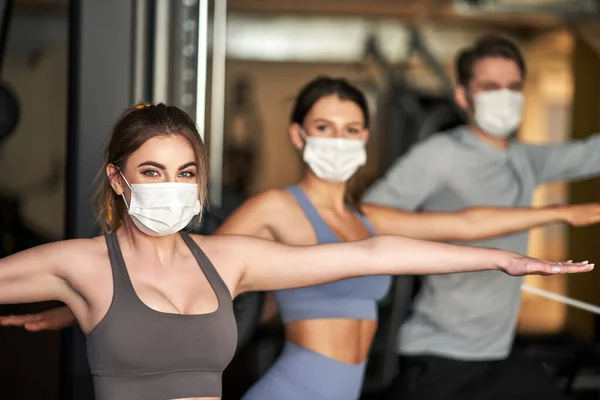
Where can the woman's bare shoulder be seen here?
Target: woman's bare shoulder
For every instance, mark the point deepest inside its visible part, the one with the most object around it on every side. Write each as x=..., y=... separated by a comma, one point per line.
x=226, y=254
x=228, y=249
x=72, y=247
x=271, y=200
x=218, y=242
x=260, y=215
x=71, y=254
x=82, y=246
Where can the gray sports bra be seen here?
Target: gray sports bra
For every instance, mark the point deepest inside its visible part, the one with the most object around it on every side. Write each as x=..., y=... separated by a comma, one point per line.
x=136, y=352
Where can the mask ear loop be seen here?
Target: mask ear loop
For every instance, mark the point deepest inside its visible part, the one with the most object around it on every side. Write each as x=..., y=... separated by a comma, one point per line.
x=304, y=137
x=302, y=133
x=130, y=190
x=470, y=97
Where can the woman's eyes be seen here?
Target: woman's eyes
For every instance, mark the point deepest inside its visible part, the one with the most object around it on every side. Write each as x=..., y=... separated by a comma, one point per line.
x=151, y=173
x=352, y=131
x=187, y=174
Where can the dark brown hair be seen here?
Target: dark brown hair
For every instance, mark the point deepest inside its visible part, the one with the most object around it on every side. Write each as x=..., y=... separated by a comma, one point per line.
x=135, y=127
x=324, y=86
x=492, y=45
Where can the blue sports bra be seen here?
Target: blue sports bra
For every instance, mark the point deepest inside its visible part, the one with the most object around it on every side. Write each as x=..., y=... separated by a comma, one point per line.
x=354, y=298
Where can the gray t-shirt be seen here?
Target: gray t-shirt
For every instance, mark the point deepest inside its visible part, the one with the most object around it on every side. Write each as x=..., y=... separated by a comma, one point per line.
x=472, y=316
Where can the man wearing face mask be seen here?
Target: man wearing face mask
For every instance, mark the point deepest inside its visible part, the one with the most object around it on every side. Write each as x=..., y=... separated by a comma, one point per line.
x=457, y=342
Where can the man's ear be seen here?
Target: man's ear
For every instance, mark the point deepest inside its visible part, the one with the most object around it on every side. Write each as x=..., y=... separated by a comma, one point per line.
x=461, y=95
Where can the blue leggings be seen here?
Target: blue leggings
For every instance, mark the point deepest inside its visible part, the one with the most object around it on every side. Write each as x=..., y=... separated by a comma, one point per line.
x=301, y=374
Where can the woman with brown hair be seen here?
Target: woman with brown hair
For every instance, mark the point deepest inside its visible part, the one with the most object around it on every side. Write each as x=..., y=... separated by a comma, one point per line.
x=159, y=327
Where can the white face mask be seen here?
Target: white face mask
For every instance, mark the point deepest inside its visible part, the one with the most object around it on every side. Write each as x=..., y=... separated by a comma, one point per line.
x=498, y=113
x=160, y=209
x=334, y=159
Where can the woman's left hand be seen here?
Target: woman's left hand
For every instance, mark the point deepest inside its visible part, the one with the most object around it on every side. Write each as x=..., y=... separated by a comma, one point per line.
x=520, y=266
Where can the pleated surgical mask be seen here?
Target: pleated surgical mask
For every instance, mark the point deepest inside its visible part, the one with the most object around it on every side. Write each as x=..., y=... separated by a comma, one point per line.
x=160, y=209
x=334, y=159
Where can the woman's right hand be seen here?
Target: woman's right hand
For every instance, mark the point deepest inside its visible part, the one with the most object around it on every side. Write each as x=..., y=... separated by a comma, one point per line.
x=55, y=319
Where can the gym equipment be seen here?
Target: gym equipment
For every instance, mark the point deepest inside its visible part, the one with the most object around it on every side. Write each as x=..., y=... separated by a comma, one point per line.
x=242, y=138
x=5, y=15
x=9, y=111
x=408, y=114
x=9, y=105
x=382, y=366
x=16, y=235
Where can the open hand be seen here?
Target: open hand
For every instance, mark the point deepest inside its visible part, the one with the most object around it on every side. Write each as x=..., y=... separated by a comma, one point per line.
x=582, y=214
x=520, y=266
x=55, y=319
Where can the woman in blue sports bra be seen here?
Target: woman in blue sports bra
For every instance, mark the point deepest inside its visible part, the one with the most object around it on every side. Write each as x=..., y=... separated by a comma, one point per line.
x=329, y=328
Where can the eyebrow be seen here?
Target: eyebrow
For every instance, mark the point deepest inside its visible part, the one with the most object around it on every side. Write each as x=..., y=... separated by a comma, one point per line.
x=186, y=165
x=161, y=166
x=152, y=164
x=489, y=82
x=330, y=122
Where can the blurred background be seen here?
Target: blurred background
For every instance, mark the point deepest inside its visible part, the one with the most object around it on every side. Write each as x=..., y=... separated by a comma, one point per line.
x=69, y=67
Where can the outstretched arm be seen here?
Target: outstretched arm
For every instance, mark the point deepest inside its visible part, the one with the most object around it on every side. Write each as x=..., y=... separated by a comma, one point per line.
x=573, y=160
x=476, y=223
x=272, y=266
x=252, y=219
x=32, y=275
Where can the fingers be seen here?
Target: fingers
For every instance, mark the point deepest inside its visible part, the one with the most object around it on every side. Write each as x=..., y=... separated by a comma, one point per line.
x=538, y=267
x=26, y=321
x=17, y=320
x=568, y=267
x=36, y=326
